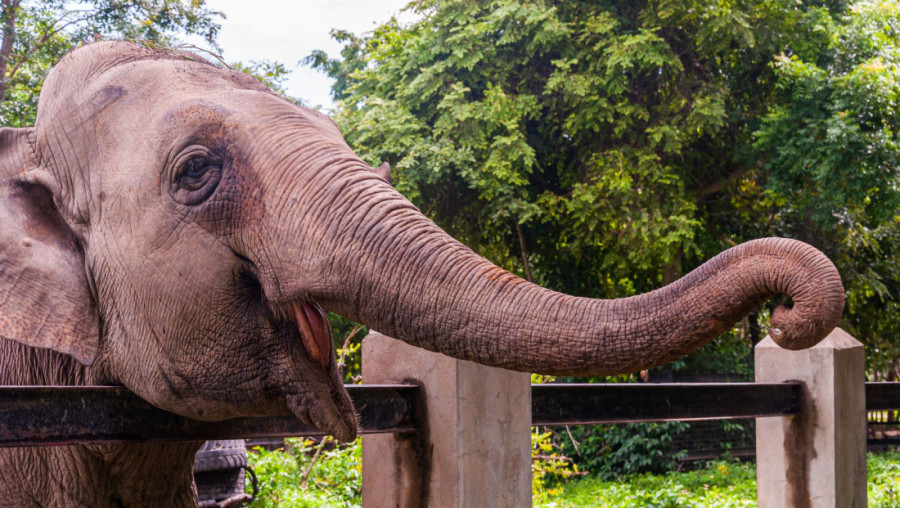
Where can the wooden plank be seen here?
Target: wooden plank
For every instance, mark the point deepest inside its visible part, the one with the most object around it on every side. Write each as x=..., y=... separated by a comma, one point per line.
x=581, y=404
x=59, y=415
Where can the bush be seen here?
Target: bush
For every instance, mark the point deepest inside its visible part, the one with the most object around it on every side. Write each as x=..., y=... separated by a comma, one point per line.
x=610, y=451
x=549, y=468
x=307, y=474
x=721, y=484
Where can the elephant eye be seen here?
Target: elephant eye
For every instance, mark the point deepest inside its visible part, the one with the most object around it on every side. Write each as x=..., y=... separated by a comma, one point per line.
x=197, y=175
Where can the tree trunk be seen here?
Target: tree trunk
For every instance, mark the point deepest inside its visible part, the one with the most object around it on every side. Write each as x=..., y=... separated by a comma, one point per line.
x=10, y=10
x=524, y=252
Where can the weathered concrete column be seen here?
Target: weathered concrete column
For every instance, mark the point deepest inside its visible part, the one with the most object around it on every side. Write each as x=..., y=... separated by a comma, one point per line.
x=817, y=458
x=474, y=445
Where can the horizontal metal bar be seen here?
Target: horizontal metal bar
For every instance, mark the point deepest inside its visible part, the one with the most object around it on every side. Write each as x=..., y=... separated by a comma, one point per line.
x=58, y=415
x=574, y=404
x=54, y=415
x=882, y=396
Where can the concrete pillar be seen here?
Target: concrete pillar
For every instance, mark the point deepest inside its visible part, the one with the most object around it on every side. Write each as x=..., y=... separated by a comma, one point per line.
x=817, y=458
x=473, y=447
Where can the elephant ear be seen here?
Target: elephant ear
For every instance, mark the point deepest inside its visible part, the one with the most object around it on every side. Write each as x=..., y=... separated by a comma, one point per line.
x=45, y=297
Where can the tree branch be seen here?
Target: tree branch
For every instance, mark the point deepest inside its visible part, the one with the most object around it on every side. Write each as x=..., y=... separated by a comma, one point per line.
x=722, y=183
x=312, y=461
x=53, y=30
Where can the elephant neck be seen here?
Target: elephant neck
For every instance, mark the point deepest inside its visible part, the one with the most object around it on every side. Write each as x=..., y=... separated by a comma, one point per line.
x=133, y=474
x=143, y=474
x=23, y=365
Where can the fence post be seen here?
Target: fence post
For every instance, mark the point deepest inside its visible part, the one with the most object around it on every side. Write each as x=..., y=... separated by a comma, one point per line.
x=818, y=457
x=473, y=446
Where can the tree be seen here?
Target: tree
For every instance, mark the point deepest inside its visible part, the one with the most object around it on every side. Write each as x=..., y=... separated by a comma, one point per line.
x=37, y=33
x=832, y=145
x=604, y=148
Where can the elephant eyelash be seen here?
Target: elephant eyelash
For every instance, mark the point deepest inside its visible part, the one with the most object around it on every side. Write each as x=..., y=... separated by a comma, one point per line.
x=281, y=310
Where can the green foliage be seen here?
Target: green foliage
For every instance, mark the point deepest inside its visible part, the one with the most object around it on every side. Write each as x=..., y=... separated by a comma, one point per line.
x=833, y=147
x=335, y=480
x=339, y=70
x=270, y=73
x=548, y=466
x=721, y=484
x=480, y=141
x=731, y=354
x=884, y=479
x=611, y=451
x=153, y=20
x=624, y=143
x=346, y=337
x=41, y=32
x=307, y=475
x=303, y=475
x=724, y=484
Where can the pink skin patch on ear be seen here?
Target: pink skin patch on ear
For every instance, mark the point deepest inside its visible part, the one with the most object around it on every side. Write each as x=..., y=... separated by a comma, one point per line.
x=314, y=330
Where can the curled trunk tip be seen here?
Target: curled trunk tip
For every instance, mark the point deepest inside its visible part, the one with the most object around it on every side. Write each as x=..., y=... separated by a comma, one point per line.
x=817, y=294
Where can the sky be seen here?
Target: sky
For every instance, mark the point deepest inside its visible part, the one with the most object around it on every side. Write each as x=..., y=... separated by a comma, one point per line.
x=288, y=30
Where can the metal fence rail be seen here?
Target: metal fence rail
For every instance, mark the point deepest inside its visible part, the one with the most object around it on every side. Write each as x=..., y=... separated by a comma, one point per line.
x=572, y=404
x=882, y=396
x=58, y=415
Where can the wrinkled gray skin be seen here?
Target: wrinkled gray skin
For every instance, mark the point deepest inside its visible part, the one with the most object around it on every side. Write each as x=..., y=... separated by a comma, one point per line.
x=175, y=227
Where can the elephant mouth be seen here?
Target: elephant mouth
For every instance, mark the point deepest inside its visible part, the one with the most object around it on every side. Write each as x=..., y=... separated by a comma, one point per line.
x=314, y=331
x=326, y=405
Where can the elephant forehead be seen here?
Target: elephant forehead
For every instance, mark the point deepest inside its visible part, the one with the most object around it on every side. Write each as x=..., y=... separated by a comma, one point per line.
x=76, y=80
x=118, y=83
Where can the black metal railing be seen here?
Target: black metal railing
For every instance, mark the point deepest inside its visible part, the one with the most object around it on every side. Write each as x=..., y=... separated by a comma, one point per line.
x=58, y=415
x=43, y=415
x=573, y=404
x=882, y=396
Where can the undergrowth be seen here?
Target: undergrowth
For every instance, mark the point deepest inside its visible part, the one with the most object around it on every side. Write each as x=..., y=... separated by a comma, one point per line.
x=721, y=484
x=307, y=474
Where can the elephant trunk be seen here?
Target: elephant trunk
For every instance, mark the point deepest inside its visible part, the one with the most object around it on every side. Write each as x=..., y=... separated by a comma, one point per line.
x=374, y=258
x=397, y=272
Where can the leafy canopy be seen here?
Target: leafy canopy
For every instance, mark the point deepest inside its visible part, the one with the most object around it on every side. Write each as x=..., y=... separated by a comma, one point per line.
x=37, y=33
x=606, y=147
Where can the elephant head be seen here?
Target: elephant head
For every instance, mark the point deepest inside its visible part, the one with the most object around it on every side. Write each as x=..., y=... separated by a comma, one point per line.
x=180, y=229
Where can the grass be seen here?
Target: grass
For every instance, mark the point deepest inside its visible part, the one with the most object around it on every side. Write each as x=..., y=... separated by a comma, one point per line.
x=307, y=475
x=722, y=484
x=884, y=479
x=725, y=484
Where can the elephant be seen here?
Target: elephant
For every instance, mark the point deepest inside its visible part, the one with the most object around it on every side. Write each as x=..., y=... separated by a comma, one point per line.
x=175, y=227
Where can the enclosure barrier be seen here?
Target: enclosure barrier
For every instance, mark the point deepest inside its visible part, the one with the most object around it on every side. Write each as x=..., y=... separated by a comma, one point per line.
x=472, y=447
x=455, y=433
x=60, y=415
